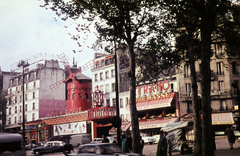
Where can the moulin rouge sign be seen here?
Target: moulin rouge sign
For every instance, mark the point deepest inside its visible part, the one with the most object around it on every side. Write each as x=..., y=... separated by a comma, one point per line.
x=145, y=89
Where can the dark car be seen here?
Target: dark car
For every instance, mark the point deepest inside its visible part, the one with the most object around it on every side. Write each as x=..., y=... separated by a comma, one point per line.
x=106, y=149
x=49, y=147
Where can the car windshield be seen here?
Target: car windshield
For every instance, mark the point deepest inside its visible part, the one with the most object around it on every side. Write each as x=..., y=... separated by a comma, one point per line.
x=110, y=148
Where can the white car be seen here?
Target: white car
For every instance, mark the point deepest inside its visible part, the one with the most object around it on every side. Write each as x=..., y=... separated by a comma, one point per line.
x=157, y=137
x=147, y=138
x=96, y=140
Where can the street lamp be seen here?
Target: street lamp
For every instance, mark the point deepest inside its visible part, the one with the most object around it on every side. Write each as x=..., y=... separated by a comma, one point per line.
x=235, y=86
x=23, y=64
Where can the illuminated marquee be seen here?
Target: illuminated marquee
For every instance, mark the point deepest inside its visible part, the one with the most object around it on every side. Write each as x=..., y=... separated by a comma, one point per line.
x=154, y=97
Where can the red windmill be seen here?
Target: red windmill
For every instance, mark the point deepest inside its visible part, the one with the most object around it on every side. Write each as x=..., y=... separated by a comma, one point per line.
x=79, y=86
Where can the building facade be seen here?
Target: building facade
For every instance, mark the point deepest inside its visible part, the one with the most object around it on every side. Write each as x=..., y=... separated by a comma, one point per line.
x=39, y=100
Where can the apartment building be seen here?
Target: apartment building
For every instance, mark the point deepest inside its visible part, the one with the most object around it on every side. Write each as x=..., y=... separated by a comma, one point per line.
x=39, y=100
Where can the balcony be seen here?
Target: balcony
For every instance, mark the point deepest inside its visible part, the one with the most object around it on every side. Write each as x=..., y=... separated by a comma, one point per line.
x=101, y=113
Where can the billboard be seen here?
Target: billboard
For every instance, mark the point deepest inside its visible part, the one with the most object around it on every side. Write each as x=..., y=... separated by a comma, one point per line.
x=70, y=128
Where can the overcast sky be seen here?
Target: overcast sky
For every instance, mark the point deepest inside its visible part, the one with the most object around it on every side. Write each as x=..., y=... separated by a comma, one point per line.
x=27, y=31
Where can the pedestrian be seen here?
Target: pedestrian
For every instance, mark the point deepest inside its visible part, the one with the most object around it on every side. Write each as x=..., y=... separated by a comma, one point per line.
x=115, y=140
x=162, y=145
x=105, y=139
x=124, y=144
x=141, y=144
x=230, y=135
x=68, y=148
x=129, y=140
x=169, y=144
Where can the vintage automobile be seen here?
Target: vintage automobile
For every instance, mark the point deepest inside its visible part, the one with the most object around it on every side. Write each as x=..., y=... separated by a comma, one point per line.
x=106, y=149
x=49, y=147
x=147, y=139
x=96, y=140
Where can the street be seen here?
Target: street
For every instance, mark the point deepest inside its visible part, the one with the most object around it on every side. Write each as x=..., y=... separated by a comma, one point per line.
x=150, y=150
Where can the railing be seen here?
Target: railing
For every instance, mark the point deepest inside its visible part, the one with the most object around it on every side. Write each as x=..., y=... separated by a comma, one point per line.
x=101, y=112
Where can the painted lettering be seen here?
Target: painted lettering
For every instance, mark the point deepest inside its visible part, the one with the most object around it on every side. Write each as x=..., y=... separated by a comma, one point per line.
x=139, y=90
x=145, y=87
x=152, y=88
x=159, y=86
x=165, y=87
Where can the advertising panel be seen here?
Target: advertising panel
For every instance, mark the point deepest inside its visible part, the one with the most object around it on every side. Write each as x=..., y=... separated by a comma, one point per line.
x=70, y=128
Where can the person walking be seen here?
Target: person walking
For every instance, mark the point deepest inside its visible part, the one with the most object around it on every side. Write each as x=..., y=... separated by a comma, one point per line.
x=141, y=144
x=231, y=136
x=124, y=144
x=68, y=148
x=129, y=140
x=162, y=145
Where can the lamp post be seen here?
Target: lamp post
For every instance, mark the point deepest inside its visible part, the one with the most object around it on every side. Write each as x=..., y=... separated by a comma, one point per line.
x=23, y=64
x=235, y=85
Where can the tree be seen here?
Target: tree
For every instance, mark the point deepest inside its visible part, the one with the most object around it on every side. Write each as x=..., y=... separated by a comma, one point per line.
x=214, y=27
x=3, y=103
x=128, y=22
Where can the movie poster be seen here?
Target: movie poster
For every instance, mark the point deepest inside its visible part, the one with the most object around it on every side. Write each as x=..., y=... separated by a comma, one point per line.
x=70, y=128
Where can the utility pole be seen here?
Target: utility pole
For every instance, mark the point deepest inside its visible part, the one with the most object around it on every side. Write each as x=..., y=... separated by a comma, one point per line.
x=23, y=64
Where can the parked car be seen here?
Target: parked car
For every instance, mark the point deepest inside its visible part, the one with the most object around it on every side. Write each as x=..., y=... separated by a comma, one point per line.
x=97, y=140
x=106, y=149
x=39, y=144
x=157, y=137
x=111, y=139
x=11, y=144
x=49, y=147
x=147, y=138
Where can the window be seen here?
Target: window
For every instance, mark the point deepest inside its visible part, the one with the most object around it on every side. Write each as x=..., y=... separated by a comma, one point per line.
x=10, y=101
x=187, y=71
x=16, y=109
x=172, y=88
x=220, y=85
x=15, y=99
x=74, y=96
x=127, y=101
x=9, y=111
x=220, y=68
x=200, y=67
x=26, y=86
x=218, y=50
x=101, y=76
x=114, y=102
x=188, y=88
x=20, y=119
x=86, y=95
x=79, y=95
x=20, y=109
x=34, y=85
x=96, y=77
x=113, y=87
x=25, y=107
x=113, y=73
x=121, y=103
x=11, y=81
x=222, y=105
x=16, y=89
x=234, y=68
x=25, y=118
x=107, y=88
x=108, y=102
x=9, y=121
x=15, y=119
x=10, y=91
x=33, y=116
x=235, y=89
x=33, y=95
x=107, y=74
x=26, y=97
x=101, y=87
x=21, y=88
x=20, y=98
x=33, y=107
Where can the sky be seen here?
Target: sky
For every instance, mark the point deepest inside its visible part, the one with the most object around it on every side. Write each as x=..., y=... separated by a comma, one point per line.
x=28, y=31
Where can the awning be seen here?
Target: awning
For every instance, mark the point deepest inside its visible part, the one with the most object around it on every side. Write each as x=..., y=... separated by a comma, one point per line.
x=222, y=118
x=153, y=104
x=66, y=119
x=176, y=125
x=124, y=127
x=155, y=123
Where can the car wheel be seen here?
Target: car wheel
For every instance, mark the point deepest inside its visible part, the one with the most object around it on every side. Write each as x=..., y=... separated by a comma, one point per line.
x=78, y=144
x=37, y=153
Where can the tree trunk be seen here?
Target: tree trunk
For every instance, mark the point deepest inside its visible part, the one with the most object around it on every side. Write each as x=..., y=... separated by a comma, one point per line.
x=133, y=109
x=196, y=109
x=207, y=21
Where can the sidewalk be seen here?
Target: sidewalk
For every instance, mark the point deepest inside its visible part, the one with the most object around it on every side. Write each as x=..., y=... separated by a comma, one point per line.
x=223, y=148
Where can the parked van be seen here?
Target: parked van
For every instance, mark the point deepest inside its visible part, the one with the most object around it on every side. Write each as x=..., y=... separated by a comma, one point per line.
x=80, y=139
x=11, y=144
